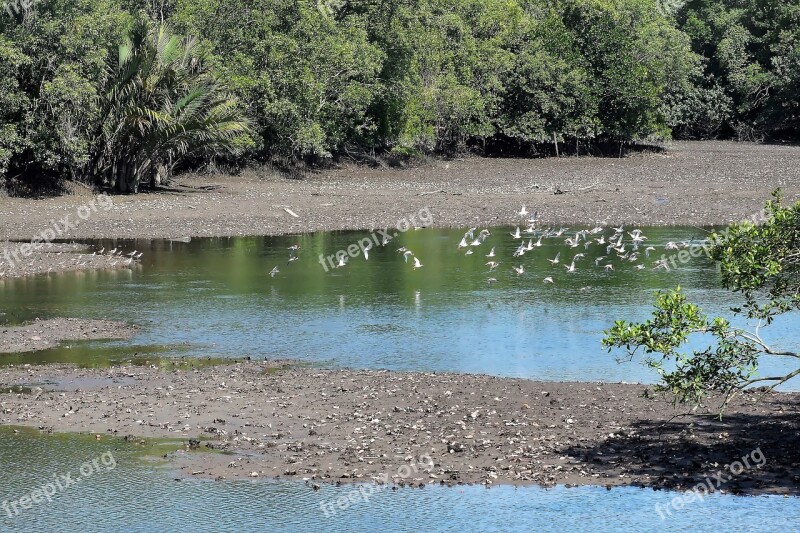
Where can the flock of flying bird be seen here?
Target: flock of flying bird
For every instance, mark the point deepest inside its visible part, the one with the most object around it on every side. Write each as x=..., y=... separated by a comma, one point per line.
x=617, y=246
x=624, y=246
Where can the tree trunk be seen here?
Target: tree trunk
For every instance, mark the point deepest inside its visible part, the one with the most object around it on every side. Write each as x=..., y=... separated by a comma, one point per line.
x=555, y=142
x=119, y=177
x=126, y=177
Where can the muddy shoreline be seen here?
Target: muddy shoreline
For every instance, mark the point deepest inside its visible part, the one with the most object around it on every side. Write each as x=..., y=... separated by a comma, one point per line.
x=44, y=334
x=339, y=426
x=54, y=258
x=691, y=183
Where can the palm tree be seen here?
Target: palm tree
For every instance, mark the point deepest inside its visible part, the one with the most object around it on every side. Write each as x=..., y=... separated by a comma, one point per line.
x=161, y=105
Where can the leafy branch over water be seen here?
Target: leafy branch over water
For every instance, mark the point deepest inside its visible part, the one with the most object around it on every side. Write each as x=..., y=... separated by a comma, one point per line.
x=760, y=262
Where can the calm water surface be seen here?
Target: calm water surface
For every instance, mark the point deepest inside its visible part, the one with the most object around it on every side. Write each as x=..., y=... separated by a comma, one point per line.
x=215, y=297
x=142, y=496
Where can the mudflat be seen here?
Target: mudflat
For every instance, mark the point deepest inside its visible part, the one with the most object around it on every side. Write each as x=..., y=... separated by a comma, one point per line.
x=44, y=334
x=324, y=425
x=690, y=183
x=336, y=425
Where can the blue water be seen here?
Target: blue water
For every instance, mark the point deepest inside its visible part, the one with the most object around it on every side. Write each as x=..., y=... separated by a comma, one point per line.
x=140, y=496
x=214, y=297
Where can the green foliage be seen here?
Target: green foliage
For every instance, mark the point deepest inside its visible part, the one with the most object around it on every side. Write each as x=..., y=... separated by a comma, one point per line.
x=752, y=54
x=320, y=79
x=723, y=366
x=161, y=104
x=306, y=79
x=636, y=57
x=52, y=64
x=13, y=103
x=762, y=262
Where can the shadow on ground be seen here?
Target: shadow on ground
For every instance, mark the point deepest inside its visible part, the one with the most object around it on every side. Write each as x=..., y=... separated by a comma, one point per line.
x=742, y=453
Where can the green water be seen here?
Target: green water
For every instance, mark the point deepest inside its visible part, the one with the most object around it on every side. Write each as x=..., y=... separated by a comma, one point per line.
x=209, y=300
x=215, y=298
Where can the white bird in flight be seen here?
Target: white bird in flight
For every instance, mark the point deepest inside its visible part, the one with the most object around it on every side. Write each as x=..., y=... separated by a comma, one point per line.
x=417, y=264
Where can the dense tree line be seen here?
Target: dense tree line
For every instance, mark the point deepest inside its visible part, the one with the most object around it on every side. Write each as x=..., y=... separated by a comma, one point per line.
x=107, y=91
x=750, y=57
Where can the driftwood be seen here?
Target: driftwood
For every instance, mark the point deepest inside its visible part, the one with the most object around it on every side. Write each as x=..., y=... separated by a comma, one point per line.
x=559, y=190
